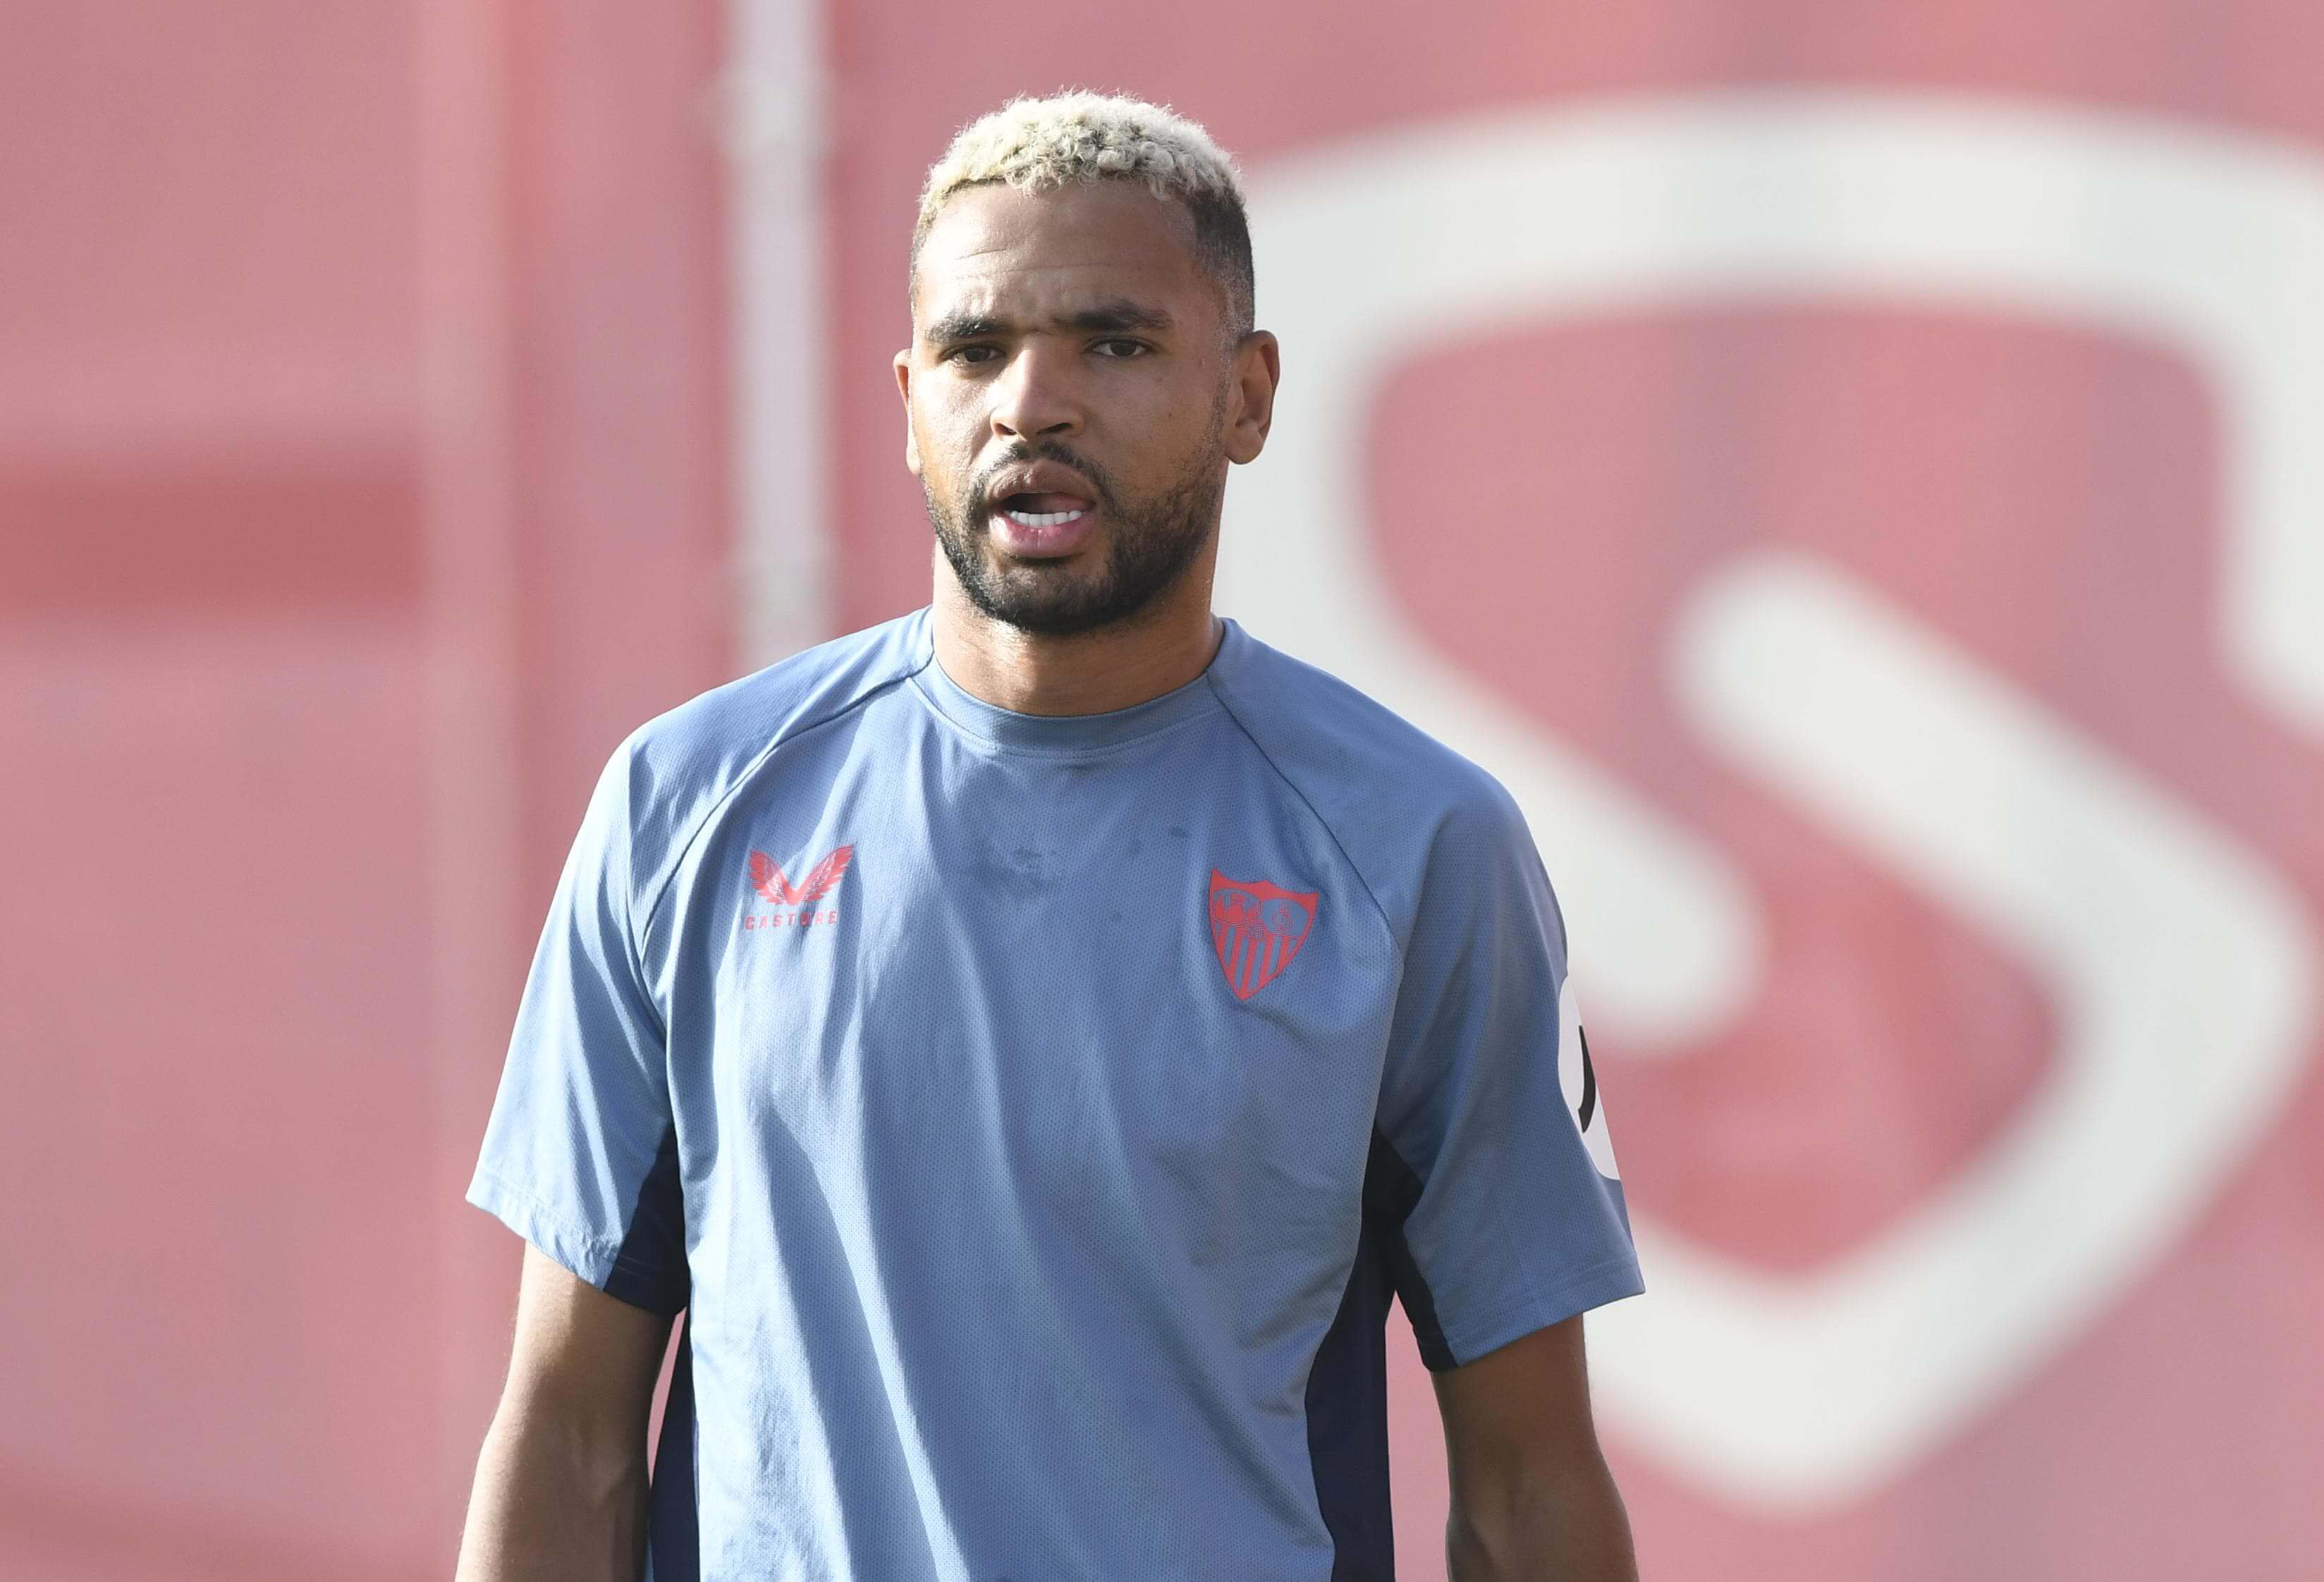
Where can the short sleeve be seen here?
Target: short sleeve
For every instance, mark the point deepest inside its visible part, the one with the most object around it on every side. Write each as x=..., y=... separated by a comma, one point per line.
x=1492, y=1158
x=580, y=1154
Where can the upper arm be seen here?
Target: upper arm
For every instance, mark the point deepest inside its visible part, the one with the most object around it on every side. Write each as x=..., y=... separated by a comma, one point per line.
x=586, y=1357
x=562, y=1485
x=1532, y=1495
x=1522, y=1410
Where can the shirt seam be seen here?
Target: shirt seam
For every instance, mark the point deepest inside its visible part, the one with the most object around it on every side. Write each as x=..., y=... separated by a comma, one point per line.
x=741, y=777
x=1362, y=883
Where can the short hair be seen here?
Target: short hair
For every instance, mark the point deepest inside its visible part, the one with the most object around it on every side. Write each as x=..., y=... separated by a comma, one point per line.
x=1041, y=144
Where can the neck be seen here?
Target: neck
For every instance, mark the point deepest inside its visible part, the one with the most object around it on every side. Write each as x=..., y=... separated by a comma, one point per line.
x=1165, y=647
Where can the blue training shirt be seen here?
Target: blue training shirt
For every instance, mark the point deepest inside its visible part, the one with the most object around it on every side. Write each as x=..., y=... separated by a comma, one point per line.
x=1034, y=1115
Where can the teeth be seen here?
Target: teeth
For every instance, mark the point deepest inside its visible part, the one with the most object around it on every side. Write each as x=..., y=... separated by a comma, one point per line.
x=1045, y=519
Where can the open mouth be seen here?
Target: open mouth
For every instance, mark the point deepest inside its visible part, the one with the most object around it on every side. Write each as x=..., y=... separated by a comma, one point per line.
x=1044, y=510
x=1034, y=526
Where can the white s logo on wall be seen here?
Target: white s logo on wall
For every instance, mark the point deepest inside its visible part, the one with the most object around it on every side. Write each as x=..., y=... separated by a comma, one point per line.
x=2184, y=967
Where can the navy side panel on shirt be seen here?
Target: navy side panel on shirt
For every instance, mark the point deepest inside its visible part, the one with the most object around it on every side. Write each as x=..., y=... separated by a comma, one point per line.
x=673, y=1523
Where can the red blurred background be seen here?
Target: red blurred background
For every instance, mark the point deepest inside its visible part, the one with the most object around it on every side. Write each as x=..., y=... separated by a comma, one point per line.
x=400, y=402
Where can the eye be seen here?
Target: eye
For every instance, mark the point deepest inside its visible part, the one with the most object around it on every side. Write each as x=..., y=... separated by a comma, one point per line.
x=1118, y=349
x=976, y=355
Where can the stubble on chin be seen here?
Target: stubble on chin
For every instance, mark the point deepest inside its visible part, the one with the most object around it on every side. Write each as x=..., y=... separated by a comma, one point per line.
x=1145, y=555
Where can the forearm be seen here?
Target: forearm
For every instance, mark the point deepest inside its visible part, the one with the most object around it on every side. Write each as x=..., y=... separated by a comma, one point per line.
x=550, y=1506
x=1567, y=1529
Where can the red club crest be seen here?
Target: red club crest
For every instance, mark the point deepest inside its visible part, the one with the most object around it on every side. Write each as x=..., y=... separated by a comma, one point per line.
x=1257, y=928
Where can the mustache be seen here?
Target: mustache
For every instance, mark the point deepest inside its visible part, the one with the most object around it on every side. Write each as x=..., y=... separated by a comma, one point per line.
x=980, y=498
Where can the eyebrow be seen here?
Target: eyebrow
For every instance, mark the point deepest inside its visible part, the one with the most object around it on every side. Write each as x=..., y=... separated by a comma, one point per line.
x=1114, y=313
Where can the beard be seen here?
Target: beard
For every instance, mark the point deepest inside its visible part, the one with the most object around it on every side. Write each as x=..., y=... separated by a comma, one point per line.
x=1149, y=543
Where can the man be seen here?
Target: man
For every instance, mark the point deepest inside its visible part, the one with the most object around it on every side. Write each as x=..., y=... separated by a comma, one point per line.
x=1031, y=1039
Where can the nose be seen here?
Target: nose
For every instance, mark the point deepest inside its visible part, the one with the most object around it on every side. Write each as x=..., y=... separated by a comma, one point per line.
x=1037, y=396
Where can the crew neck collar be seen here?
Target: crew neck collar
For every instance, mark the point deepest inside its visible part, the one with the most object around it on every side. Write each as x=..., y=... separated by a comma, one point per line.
x=1066, y=734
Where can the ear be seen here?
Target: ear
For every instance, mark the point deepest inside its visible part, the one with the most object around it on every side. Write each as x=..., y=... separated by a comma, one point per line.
x=904, y=389
x=1258, y=369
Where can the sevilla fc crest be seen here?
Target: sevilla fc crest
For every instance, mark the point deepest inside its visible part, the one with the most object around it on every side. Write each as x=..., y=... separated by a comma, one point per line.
x=1257, y=928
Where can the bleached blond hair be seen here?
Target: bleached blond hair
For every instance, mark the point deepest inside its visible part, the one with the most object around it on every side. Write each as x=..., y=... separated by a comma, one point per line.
x=1041, y=144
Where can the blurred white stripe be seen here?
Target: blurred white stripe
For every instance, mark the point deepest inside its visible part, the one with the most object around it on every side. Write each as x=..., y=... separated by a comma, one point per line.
x=772, y=118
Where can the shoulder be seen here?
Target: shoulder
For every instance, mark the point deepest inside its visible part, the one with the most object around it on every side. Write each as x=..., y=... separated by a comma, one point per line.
x=678, y=766
x=1341, y=745
x=1393, y=797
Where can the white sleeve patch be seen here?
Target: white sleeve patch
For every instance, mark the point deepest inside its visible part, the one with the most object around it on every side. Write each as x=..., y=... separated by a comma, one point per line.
x=1578, y=1078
